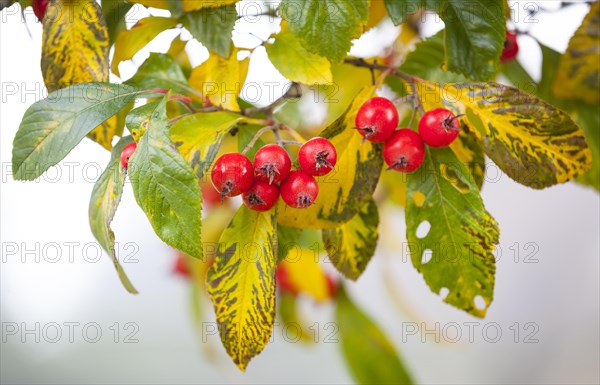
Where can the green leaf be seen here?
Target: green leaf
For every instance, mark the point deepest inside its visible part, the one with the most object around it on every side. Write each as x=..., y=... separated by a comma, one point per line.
x=461, y=235
x=245, y=134
x=578, y=74
x=241, y=284
x=470, y=151
x=287, y=240
x=129, y=42
x=138, y=119
x=166, y=188
x=369, y=354
x=114, y=12
x=326, y=27
x=212, y=27
x=198, y=137
x=52, y=127
x=296, y=63
x=106, y=196
x=351, y=246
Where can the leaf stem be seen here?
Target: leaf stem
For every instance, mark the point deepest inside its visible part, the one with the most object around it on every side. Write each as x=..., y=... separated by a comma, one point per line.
x=256, y=136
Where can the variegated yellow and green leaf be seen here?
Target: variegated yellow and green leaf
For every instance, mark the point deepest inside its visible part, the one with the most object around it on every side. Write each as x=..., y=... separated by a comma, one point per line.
x=533, y=142
x=470, y=151
x=351, y=246
x=241, y=284
x=345, y=190
x=106, y=196
x=166, y=188
x=198, y=137
x=451, y=236
x=138, y=119
x=578, y=74
x=130, y=41
x=305, y=274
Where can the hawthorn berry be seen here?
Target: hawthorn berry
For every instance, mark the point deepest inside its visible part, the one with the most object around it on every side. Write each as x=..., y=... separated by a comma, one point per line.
x=317, y=157
x=511, y=47
x=272, y=163
x=299, y=190
x=261, y=196
x=283, y=280
x=377, y=119
x=232, y=174
x=439, y=127
x=210, y=196
x=181, y=267
x=39, y=8
x=126, y=154
x=404, y=151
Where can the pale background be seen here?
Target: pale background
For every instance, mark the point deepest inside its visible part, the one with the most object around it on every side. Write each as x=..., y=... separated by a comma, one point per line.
x=559, y=294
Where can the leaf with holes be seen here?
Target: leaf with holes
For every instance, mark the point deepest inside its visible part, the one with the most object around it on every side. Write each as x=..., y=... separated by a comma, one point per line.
x=106, y=196
x=344, y=191
x=241, y=284
x=533, y=142
x=351, y=246
x=198, y=137
x=326, y=27
x=578, y=74
x=462, y=234
x=166, y=188
x=212, y=27
x=52, y=127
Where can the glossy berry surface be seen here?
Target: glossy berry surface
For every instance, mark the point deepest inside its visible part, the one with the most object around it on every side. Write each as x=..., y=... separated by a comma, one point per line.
x=404, y=151
x=439, y=127
x=511, y=47
x=261, y=196
x=232, y=174
x=317, y=157
x=126, y=154
x=39, y=8
x=272, y=163
x=377, y=119
x=299, y=190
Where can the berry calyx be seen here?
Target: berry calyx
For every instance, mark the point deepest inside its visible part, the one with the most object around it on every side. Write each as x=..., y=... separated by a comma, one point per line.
x=511, y=47
x=232, y=174
x=377, y=119
x=439, y=127
x=39, y=8
x=261, y=196
x=272, y=163
x=404, y=151
x=126, y=154
x=299, y=190
x=317, y=157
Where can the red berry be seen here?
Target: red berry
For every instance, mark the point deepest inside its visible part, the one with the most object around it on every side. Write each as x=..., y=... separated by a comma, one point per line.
x=283, y=280
x=439, y=127
x=210, y=196
x=39, y=8
x=377, y=119
x=332, y=285
x=232, y=174
x=404, y=151
x=181, y=267
x=126, y=154
x=317, y=157
x=272, y=163
x=511, y=47
x=299, y=190
x=261, y=196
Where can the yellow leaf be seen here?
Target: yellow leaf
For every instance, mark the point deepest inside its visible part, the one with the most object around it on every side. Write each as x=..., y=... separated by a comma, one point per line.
x=297, y=64
x=305, y=274
x=177, y=52
x=221, y=79
x=578, y=75
x=130, y=41
x=193, y=5
x=241, y=284
x=533, y=142
x=345, y=190
x=377, y=12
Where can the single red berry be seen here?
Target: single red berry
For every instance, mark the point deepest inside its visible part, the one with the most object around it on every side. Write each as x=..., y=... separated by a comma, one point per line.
x=210, y=196
x=232, y=174
x=404, y=151
x=299, y=190
x=181, y=267
x=511, y=47
x=317, y=157
x=283, y=280
x=126, y=154
x=261, y=196
x=39, y=8
x=439, y=127
x=377, y=119
x=332, y=285
x=272, y=163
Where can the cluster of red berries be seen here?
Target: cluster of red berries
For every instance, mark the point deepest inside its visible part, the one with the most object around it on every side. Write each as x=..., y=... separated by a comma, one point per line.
x=233, y=174
x=403, y=149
